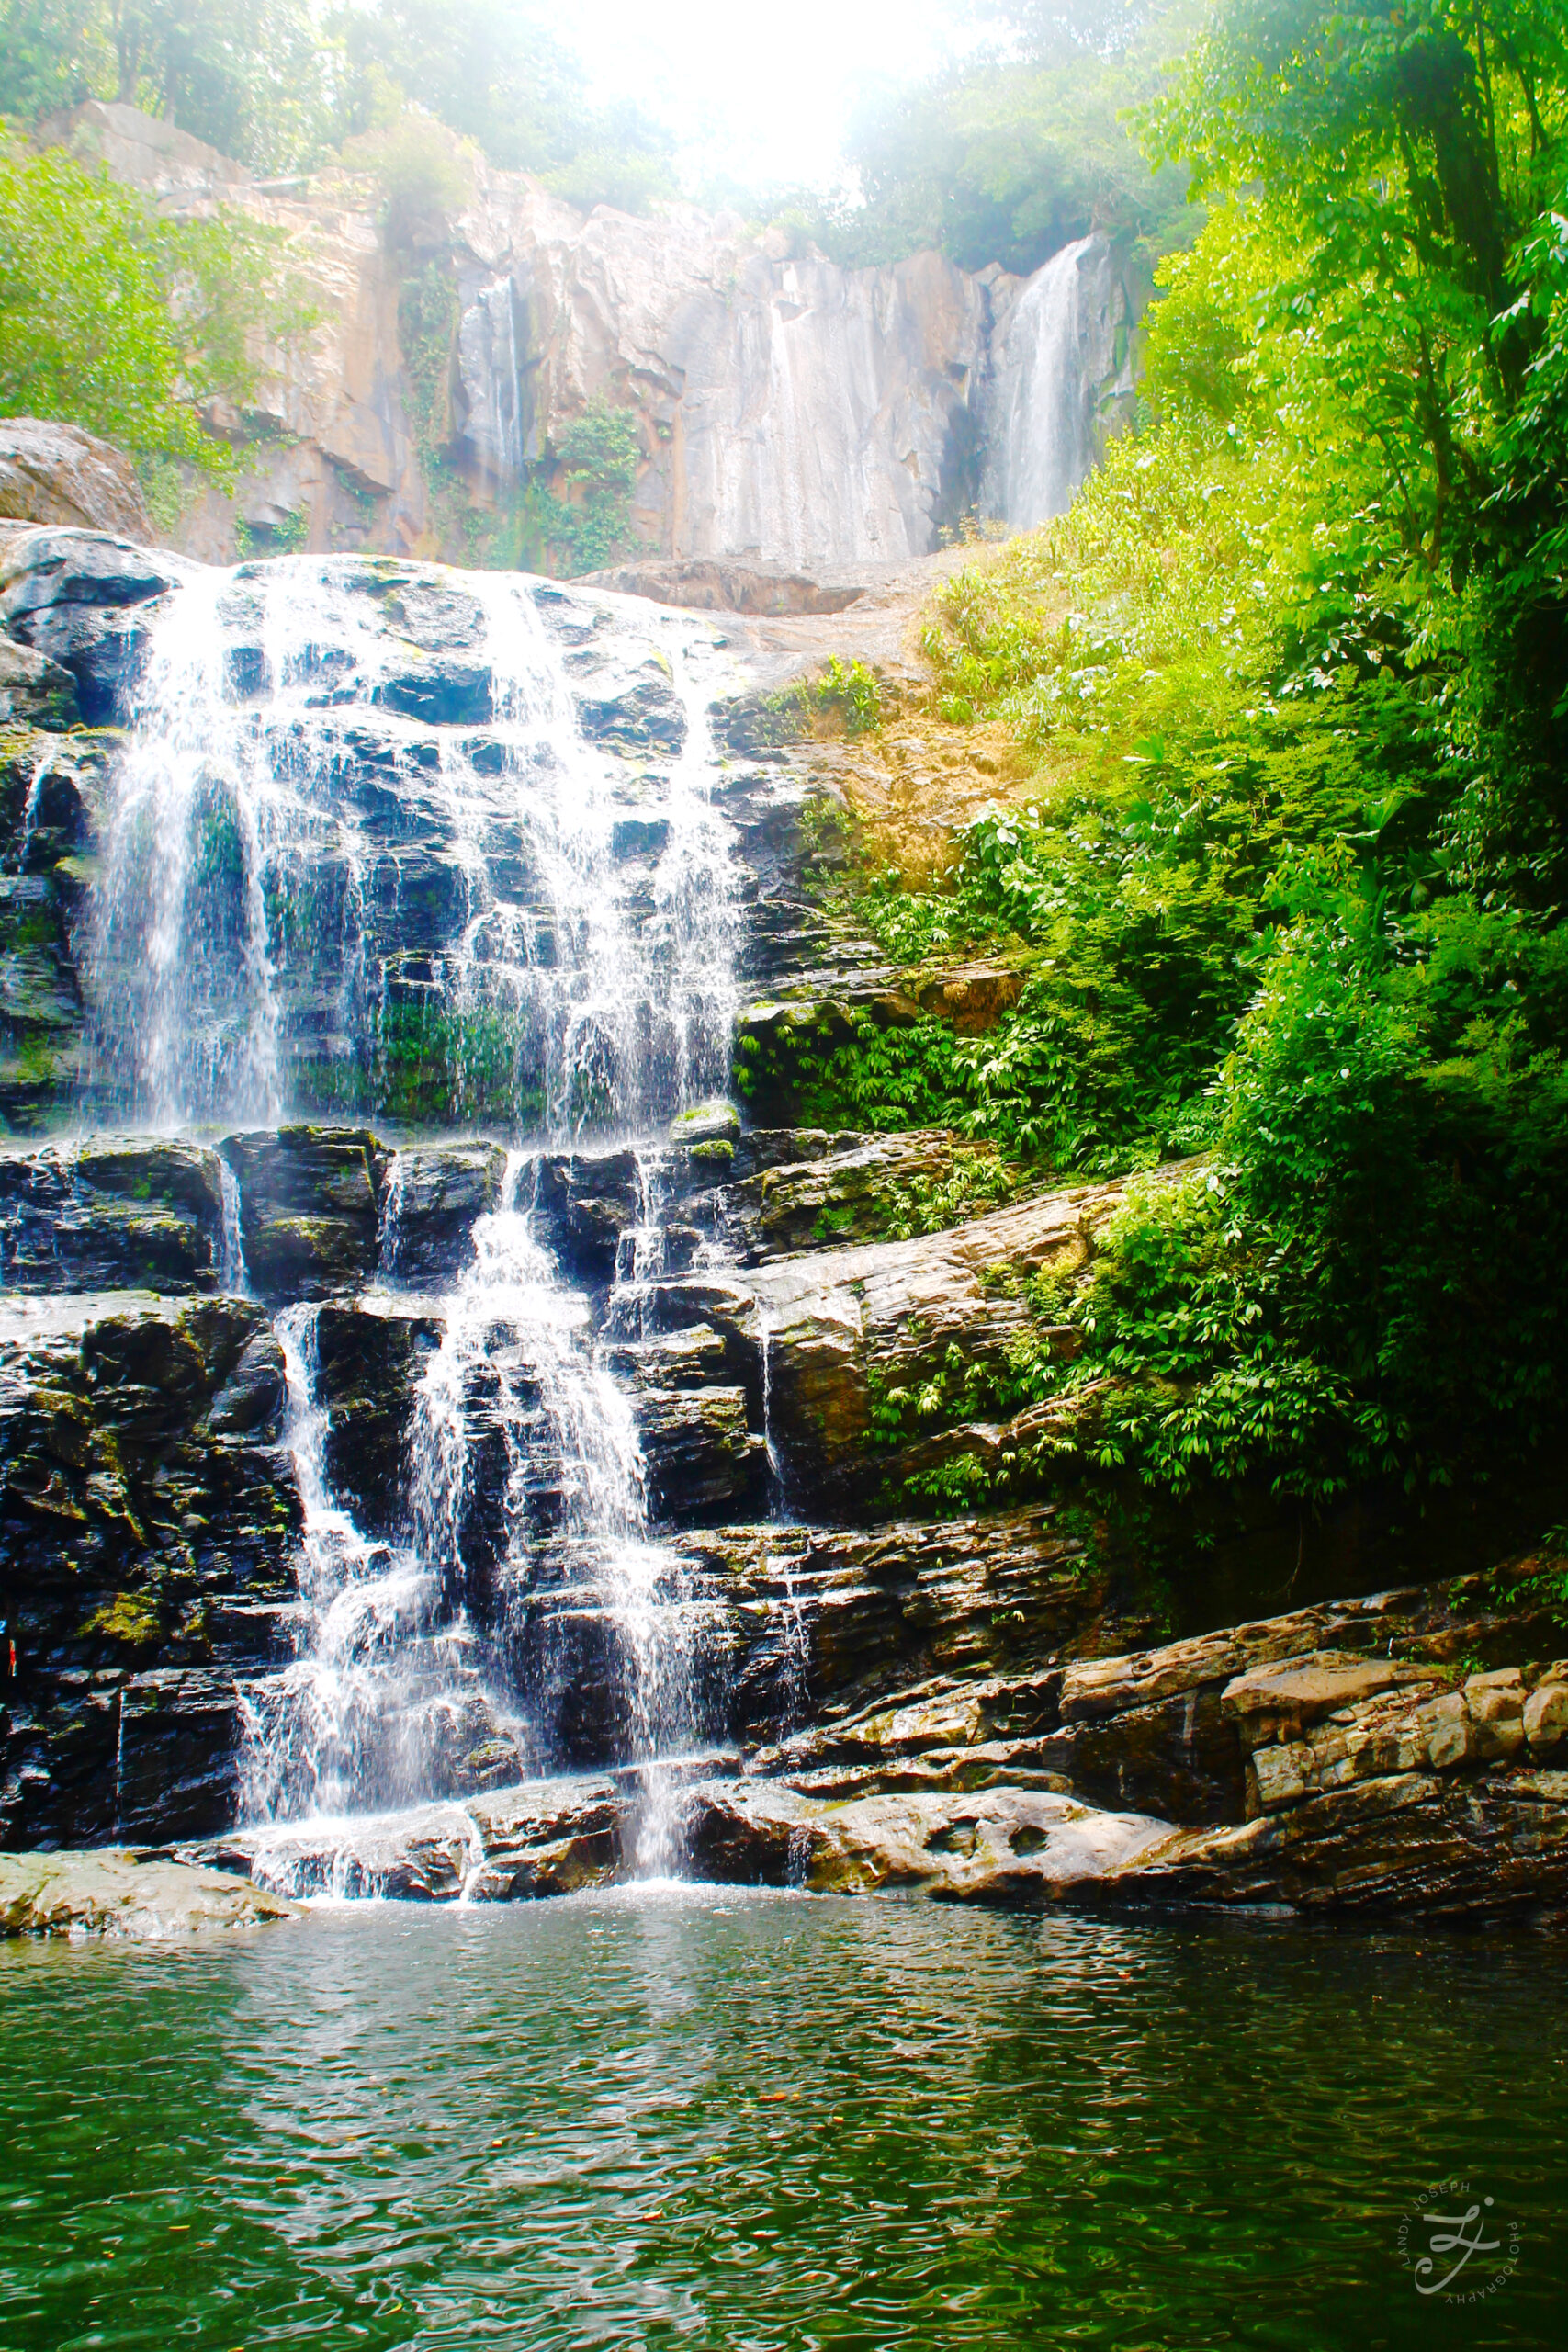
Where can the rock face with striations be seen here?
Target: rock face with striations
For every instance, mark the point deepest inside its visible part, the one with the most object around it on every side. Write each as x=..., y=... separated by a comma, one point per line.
x=397, y=1464
x=790, y=414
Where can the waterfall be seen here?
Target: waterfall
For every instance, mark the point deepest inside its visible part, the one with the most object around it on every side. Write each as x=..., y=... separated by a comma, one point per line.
x=358, y=828
x=354, y=1721
x=1043, y=441
x=253, y=951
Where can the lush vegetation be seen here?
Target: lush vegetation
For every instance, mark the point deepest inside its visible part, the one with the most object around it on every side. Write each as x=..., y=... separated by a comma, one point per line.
x=1287, y=892
x=1014, y=153
x=119, y=320
x=281, y=85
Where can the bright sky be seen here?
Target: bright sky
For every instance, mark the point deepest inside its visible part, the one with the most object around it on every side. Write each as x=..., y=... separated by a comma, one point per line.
x=759, y=93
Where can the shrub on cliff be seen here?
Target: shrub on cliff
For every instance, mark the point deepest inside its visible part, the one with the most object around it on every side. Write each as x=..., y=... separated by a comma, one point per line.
x=116, y=318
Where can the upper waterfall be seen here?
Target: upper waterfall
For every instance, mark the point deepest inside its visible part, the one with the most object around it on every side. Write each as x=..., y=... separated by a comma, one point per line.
x=414, y=842
x=1055, y=354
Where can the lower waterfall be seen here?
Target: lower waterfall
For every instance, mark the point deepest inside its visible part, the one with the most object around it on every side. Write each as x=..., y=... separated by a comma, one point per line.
x=575, y=971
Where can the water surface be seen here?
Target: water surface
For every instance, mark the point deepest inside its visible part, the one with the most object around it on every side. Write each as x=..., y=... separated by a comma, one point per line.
x=701, y=2119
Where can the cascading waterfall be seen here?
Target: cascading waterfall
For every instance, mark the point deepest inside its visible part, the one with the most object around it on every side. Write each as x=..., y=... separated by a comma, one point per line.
x=252, y=933
x=334, y=1731
x=1043, y=436
x=253, y=943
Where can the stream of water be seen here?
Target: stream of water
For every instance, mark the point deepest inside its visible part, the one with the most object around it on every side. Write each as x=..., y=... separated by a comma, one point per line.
x=596, y=936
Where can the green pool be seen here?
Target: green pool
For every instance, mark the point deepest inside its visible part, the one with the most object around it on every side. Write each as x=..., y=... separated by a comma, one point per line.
x=702, y=2119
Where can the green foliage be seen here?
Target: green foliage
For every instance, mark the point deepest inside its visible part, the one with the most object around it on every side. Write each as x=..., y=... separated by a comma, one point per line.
x=980, y=1180
x=493, y=71
x=287, y=536
x=280, y=83
x=851, y=691
x=1012, y=155
x=598, y=454
x=1290, y=889
x=427, y=321
x=255, y=78
x=422, y=170
x=114, y=318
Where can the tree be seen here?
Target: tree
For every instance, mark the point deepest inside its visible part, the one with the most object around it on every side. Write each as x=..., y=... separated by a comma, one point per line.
x=115, y=319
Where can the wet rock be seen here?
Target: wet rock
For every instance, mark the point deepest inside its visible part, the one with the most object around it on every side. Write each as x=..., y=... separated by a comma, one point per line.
x=60, y=475
x=707, y=1122
x=176, y=1751
x=423, y=1856
x=132, y=1212
x=640, y=712
x=435, y=1195
x=369, y=1359
x=254, y=1396
x=147, y=1556
x=698, y=1357
x=551, y=1838
x=541, y=1838
x=44, y=571
x=310, y=1208
x=127, y=1897
x=836, y=1624
x=81, y=599
x=1013, y=1847
x=441, y=690
x=583, y=1202
x=429, y=610
x=698, y=1454
x=639, y=836
x=1411, y=1844
x=34, y=690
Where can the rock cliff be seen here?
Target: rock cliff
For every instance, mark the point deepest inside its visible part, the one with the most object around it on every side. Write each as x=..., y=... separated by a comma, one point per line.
x=787, y=410
x=446, y=1448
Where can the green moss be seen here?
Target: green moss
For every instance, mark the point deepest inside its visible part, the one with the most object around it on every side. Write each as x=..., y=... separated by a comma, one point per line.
x=129, y=1618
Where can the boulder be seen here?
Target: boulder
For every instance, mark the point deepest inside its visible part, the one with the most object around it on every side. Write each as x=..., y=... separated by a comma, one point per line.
x=552, y=1837
x=34, y=690
x=131, y=1213
x=1545, y=1718
x=60, y=474
x=310, y=1202
x=707, y=1122
x=434, y=1195
x=82, y=599
x=127, y=1897
x=718, y=584
x=999, y=1846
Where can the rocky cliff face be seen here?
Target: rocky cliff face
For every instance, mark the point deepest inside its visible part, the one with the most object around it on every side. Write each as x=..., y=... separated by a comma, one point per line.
x=506, y=1455
x=787, y=410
